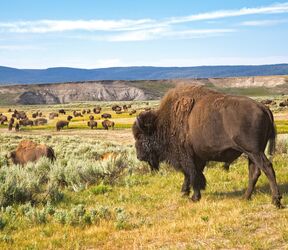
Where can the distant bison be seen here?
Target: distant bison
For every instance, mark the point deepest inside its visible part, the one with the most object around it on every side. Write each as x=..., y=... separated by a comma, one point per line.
x=77, y=114
x=17, y=127
x=106, y=124
x=133, y=111
x=106, y=115
x=195, y=125
x=69, y=118
x=3, y=118
x=97, y=110
x=40, y=121
x=26, y=122
x=283, y=104
x=53, y=115
x=62, y=111
x=91, y=117
x=116, y=107
x=92, y=124
x=61, y=124
x=28, y=151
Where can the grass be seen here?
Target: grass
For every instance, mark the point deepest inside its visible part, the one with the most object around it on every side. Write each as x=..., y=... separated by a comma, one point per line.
x=135, y=209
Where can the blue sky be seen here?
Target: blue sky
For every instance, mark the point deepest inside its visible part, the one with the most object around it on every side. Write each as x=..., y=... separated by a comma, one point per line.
x=98, y=33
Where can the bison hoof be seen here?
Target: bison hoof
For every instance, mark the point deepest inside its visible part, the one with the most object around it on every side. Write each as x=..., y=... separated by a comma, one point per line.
x=277, y=202
x=196, y=198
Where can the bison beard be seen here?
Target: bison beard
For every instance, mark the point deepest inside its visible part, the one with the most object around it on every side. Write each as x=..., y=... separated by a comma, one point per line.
x=194, y=125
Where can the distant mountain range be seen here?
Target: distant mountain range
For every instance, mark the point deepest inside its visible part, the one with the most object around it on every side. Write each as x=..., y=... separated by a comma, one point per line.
x=56, y=75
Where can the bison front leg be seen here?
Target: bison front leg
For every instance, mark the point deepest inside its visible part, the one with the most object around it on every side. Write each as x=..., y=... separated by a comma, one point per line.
x=198, y=185
x=186, y=185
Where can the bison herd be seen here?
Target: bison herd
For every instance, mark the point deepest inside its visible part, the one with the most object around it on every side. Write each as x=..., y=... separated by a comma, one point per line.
x=20, y=118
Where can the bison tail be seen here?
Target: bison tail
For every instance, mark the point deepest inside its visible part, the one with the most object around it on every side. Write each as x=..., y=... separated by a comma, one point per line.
x=51, y=154
x=273, y=133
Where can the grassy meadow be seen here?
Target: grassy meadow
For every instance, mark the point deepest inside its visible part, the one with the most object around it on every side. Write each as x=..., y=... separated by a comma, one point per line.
x=97, y=195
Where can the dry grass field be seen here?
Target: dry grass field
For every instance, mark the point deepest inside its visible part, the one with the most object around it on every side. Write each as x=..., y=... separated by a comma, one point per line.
x=82, y=201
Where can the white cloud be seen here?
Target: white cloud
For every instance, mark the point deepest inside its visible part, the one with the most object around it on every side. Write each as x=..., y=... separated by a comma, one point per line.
x=18, y=47
x=46, y=26
x=263, y=22
x=152, y=34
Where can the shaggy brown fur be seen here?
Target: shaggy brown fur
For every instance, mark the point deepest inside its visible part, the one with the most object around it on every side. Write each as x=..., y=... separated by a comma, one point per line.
x=106, y=115
x=194, y=125
x=61, y=124
x=106, y=124
x=92, y=124
x=31, y=151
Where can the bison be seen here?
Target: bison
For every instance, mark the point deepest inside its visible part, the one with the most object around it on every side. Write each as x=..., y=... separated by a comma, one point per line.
x=92, y=124
x=17, y=127
x=53, y=115
x=69, y=118
x=195, y=125
x=97, y=110
x=3, y=118
x=29, y=151
x=26, y=122
x=106, y=115
x=62, y=111
x=91, y=117
x=10, y=126
x=40, y=121
x=61, y=124
x=77, y=114
x=133, y=111
x=106, y=124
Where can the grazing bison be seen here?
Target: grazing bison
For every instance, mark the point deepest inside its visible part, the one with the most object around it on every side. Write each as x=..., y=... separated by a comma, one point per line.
x=88, y=111
x=283, y=104
x=40, y=121
x=77, y=114
x=116, y=108
x=106, y=124
x=31, y=151
x=53, y=115
x=17, y=127
x=97, y=110
x=92, y=124
x=62, y=111
x=34, y=115
x=10, y=126
x=26, y=122
x=194, y=125
x=106, y=115
x=3, y=118
x=61, y=124
x=69, y=118
x=12, y=120
x=133, y=111
x=91, y=117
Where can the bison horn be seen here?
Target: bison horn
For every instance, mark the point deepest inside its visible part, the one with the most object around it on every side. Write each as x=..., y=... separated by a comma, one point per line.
x=138, y=123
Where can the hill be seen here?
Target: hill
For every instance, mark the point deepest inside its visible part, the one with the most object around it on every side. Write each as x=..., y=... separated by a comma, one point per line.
x=133, y=90
x=54, y=75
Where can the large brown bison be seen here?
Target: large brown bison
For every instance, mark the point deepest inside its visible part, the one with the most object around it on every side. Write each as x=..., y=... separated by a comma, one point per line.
x=31, y=151
x=195, y=125
x=106, y=124
x=61, y=124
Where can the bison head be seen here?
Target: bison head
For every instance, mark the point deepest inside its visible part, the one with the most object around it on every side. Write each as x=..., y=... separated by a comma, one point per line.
x=147, y=147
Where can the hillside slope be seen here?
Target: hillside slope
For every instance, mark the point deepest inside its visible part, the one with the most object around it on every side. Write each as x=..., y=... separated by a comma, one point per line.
x=133, y=90
x=54, y=75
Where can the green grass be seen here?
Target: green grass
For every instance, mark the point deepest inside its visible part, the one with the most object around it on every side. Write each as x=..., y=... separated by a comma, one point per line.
x=134, y=209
